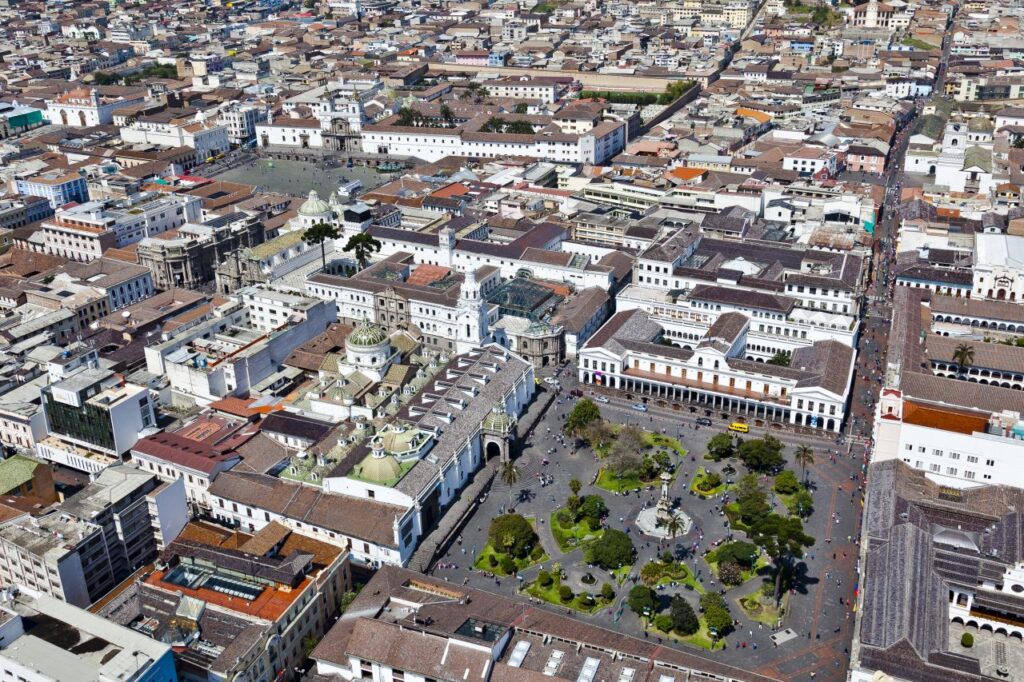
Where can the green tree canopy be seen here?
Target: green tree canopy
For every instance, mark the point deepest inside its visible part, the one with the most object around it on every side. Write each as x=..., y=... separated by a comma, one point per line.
x=582, y=414
x=739, y=552
x=642, y=597
x=362, y=245
x=593, y=509
x=319, y=234
x=782, y=358
x=512, y=534
x=751, y=498
x=720, y=446
x=782, y=538
x=611, y=550
x=684, y=620
x=761, y=454
x=786, y=483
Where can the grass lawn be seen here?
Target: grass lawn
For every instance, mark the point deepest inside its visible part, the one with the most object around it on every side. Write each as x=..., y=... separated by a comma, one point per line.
x=761, y=563
x=732, y=510
x=705, y=493
x=679, y=573
x=622, y=573
x=574, y=536
x=483, y=563
x=651, y=440
x=919, y=44
x=579, y=602
x=607, y=481
x=657, y=440
x=763, y=612
x=702, y=638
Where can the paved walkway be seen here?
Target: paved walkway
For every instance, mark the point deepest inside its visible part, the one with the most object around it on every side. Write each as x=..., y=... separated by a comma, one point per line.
x=814, y=611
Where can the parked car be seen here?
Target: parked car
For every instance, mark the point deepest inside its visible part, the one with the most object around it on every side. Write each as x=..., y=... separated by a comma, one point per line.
x=601, y=399
x=639, y=407
x=703, y=421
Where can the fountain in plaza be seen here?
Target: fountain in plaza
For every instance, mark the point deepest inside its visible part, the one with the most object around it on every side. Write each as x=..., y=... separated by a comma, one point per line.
x=655, y=520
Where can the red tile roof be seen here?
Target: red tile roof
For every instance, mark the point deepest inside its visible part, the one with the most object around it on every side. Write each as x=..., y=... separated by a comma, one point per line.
x=182, y=451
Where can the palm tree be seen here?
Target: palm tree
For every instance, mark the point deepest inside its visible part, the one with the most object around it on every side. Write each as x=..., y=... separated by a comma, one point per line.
x=362, y=245
x=674, y=526
x=510, y=476
x=319, y=234
x=963, y=356
x=447, y=116
x=804, y=456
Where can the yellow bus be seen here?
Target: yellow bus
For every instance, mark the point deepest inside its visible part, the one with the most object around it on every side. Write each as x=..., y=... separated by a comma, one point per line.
x=739, y=427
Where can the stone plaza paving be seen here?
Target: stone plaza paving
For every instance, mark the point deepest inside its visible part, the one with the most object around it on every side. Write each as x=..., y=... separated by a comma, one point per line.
x=823, y=626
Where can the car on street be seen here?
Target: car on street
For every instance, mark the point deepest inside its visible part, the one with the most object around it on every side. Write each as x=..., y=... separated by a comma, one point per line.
x=601, y=399
x=639, y=407
x=703, y=421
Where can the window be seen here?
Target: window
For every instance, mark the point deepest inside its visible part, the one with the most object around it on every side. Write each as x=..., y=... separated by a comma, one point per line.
x=990, y=462
x=936, y=468
x=969, y=474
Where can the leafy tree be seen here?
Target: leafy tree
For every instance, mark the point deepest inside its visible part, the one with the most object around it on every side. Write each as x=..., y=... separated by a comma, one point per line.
x=544, y=578
x=582, y=414
x=804, y=456
x=781, y=358
x=519, y=128
x=738, y=552
x=508, y=565
x=641, y=597
x=709, y=481
x=752, y=500
x=513, y=534
x=963, y=356
x=624, y=458
x=319, y=234
x=611, y=550
x=730, y=573
x=783, y=539
x=607, y=591
x=786, y=483
x=509, y=476
x=663, y=622
x=684, y=620
x=720, y=446
x=716, y=613
x=572, y=503
x=761, y=454
x=597, y=434
x=362, y=245
x=651, y=573
x=565, y=593
x=308, y=644
x=802, y=503
x=521, y=107
x=593, y=509
x=575, y=486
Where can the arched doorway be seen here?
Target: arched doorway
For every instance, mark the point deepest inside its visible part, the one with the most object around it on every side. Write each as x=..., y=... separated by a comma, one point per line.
x=492, y=450
x=81, y=118
x=63, y=117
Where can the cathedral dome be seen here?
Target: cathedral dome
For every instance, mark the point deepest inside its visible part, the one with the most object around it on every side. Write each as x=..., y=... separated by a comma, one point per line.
x=314, y=206
x=367, y=334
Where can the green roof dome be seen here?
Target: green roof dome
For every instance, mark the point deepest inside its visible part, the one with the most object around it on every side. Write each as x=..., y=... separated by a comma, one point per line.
x=380, y=467
x=498, y=420
x=367, y=334
x=314, y=205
